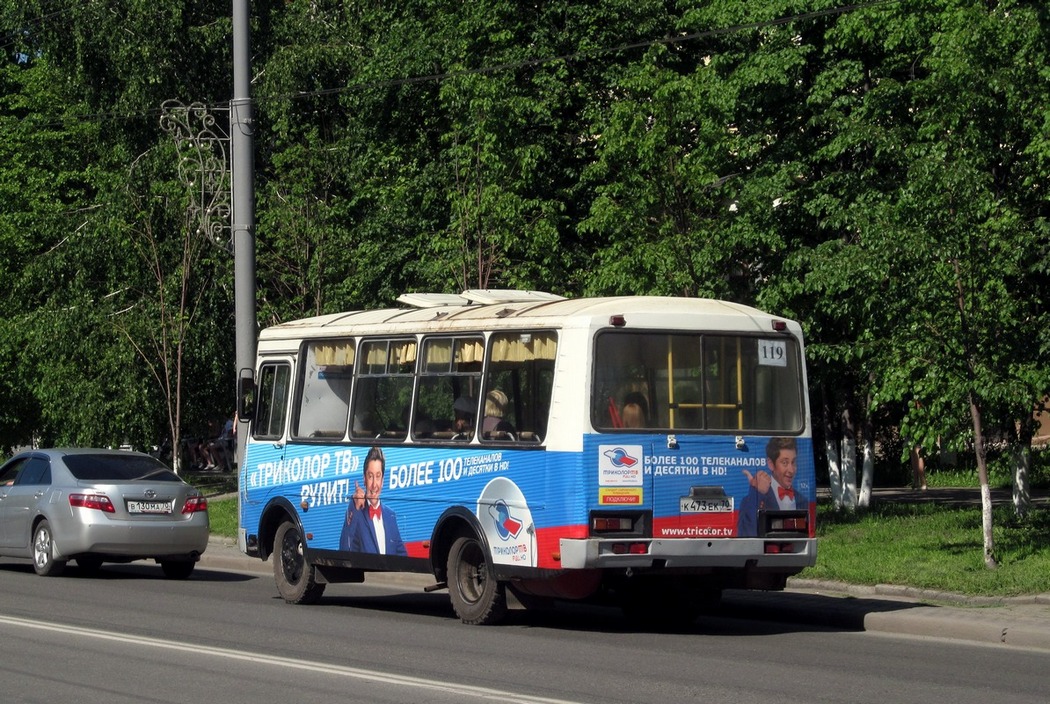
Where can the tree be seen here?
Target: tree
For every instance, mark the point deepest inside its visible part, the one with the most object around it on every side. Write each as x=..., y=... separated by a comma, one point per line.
x=501, y=140
x=170, y=331
x=89, y=95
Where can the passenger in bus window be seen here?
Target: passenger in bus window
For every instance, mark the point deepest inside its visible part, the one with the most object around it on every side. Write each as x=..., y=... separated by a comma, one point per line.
x=370, y=526
x=465, y=409
x=772, y=490
x=495, y=422
x=635, y=412
x=423, y=426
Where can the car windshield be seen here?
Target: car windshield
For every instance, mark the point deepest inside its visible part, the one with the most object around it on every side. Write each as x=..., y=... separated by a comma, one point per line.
x=118, y=468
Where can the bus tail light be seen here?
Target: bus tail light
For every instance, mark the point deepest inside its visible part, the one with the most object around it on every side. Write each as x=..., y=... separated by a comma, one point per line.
x=783, y=524
x=793, y=524
x=620, y=524
x=95, y=502
x=605, y=524
x=630, y=548
x=778, y=548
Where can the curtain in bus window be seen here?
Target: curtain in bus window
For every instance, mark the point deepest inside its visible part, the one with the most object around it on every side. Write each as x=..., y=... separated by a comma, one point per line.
x=446, y=406
x=383, y=392
x=523, y=346
x=324, y=403
x=518, y=386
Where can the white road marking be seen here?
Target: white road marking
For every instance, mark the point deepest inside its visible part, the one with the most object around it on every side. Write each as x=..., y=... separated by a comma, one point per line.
x=465, y=690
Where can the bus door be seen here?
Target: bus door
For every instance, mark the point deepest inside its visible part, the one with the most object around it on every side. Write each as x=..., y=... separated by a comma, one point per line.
x=266, y=447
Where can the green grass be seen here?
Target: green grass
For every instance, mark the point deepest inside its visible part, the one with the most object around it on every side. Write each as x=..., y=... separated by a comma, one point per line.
x=933, y=546
x=222, y=513
x=922, y=545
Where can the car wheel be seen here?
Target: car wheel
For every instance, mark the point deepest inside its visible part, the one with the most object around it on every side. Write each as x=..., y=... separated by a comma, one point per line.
x=477, y=597
x=177, y=569
x=296, y=580
x=89, y=565
x=44, y=562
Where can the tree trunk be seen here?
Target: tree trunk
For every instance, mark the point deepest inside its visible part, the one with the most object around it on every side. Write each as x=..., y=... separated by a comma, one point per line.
x=1022, y=459
x=978, y=430
x=986, y=492
x=1022, y=496
x=849, y=458
x=176, y=456
x=831, y=451
x=867, y=472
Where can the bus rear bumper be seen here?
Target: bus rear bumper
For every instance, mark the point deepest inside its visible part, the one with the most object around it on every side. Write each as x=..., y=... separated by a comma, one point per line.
x=788, y=554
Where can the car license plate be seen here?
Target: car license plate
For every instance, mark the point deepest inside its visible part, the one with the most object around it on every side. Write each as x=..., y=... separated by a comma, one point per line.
x=159, y=507
x=699, y=504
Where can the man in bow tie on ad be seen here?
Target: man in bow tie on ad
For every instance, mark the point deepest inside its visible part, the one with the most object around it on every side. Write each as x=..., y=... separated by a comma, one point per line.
x=773, y=490
x=370, y=526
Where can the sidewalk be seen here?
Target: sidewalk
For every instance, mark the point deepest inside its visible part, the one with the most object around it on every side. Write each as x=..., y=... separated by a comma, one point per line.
x=1022, y=622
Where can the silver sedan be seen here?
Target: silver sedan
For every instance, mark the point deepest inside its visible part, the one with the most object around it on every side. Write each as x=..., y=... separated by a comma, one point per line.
x=95, y=506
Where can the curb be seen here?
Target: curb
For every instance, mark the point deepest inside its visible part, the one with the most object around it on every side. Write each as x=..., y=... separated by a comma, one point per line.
x=924, y=595
x=1022, y=621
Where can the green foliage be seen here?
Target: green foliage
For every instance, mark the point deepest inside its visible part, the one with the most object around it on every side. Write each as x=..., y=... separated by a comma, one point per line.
x=877, y=172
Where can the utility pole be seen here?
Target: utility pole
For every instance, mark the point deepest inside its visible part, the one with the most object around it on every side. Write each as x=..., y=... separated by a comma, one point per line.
x=242, y=130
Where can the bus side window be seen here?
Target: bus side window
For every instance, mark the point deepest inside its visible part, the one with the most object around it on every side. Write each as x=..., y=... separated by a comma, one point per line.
x=324, y=402
x=446, y=405
x=272, y=403
x=518, y=386
x=384, y=389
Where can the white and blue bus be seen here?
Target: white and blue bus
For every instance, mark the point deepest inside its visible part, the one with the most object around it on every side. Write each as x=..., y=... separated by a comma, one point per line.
x=644, y=451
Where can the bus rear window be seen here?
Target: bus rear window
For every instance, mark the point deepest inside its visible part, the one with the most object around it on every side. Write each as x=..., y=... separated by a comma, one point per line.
x=694, y=382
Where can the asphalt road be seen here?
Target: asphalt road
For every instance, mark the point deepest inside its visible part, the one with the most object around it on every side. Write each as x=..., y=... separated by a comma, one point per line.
x=128, y=635
x=1022, y=622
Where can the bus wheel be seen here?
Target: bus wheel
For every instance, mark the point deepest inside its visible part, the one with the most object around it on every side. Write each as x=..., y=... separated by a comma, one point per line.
x=296, y=581
x=477, y=597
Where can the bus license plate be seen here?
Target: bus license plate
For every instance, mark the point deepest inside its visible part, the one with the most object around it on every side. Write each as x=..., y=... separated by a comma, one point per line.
x=161, y=507
x=698, y=504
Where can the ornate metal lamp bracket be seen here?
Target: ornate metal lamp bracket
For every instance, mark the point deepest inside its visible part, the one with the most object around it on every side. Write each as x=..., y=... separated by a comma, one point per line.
x=203, y=167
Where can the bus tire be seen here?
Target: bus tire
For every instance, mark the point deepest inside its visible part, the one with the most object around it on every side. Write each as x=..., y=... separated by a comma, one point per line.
x=477, y=597
x=296, y=580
